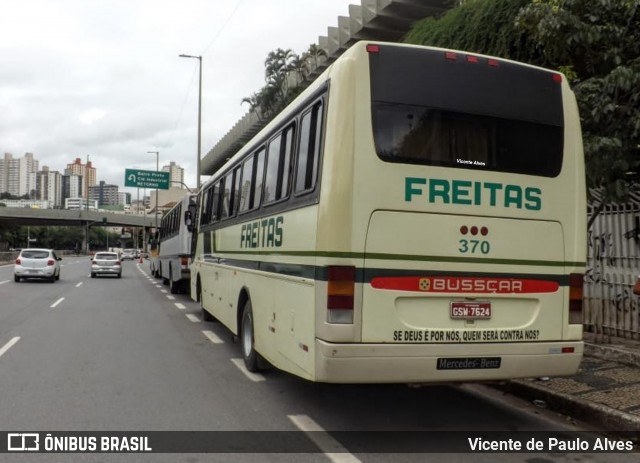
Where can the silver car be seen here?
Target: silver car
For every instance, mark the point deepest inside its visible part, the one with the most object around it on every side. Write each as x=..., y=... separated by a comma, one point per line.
x=129, y=254
x=38, y=264
x=106, y=263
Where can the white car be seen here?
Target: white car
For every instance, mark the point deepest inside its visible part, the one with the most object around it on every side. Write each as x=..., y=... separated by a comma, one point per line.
x=106, y=263
x=128, y=254
x=38, y=264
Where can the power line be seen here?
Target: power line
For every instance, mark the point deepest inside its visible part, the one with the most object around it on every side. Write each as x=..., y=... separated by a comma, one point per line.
x=233, y=12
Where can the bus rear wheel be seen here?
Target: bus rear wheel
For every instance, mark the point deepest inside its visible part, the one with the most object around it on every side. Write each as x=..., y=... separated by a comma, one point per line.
x=250, y=356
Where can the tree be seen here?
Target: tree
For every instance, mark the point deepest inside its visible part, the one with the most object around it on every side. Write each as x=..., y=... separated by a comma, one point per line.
x=479, y=26
x=314, y=54
x=597, y=44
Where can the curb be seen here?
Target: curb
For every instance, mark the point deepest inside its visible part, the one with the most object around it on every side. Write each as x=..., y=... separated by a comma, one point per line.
x=612, y=354
x=605, y=417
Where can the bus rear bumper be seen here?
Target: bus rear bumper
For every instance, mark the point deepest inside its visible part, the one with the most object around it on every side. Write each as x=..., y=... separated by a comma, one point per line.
x=433, y=363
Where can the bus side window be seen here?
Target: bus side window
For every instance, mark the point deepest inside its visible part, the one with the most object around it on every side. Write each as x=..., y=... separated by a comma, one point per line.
x=214, y=204
x=309, y=152
x=225, y=191
x=279, y=166
x=258, y=177
x=235, y=192
x=246, y=190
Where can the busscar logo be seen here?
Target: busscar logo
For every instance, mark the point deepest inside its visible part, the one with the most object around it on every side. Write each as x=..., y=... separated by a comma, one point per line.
x=23, y=442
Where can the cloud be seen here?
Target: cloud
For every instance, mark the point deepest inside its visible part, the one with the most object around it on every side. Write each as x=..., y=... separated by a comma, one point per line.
x=91, y=116
x=103, y=78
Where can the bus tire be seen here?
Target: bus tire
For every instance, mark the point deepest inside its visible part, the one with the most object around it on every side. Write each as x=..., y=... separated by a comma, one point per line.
x=174, y=286
x=249, y=354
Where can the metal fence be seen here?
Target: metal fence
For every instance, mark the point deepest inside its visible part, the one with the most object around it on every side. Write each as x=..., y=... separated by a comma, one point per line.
x=613, y=264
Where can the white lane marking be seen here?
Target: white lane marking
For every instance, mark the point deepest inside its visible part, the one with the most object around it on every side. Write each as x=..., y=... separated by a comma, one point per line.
x=78, y=285
x=57, y=302
x=8, y=345
x=180, y=306
x=333, y=450
x=214, y=338
x=255, y=377
x=5, y=281
x=163, y=290
x=192, y=317
x=173, y=298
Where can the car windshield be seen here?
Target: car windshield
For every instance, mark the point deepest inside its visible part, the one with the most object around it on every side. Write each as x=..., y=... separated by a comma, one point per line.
x=35, y=254
x=107, y=256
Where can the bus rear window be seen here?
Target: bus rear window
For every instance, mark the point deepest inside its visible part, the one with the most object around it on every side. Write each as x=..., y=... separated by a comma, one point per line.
x=431, y=107
x=422, y=135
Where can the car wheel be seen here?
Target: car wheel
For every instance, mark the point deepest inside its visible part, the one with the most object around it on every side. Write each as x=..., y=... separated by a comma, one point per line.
x=52, y=278
x=249, y=354
x=16, y=279
x=93, y=275
x=58, y=276
x=119, y=275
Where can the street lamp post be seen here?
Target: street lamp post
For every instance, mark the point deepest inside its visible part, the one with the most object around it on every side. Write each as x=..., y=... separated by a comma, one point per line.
x=199, y=58
x=157, y=153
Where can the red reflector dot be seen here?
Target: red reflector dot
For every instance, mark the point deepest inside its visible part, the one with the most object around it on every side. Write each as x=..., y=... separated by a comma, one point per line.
x=568, y=350
x=493, y=62
x=557, y=78
x=464, y=229
x=474, y=230
x=472, y=59
x=484, y=231
x=450, y=55
x=373, y=48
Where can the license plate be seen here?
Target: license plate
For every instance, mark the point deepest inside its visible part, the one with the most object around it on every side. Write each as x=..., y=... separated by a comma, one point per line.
x=470, y=310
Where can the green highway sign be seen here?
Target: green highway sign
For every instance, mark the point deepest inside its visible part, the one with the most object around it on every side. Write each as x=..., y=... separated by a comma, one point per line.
x=146, y=179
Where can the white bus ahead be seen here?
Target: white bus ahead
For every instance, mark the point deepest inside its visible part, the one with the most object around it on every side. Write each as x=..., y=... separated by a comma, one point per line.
x=173, y=263
x=415, y=215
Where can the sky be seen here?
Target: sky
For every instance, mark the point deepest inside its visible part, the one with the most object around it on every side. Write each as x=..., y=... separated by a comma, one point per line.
x=102, y=78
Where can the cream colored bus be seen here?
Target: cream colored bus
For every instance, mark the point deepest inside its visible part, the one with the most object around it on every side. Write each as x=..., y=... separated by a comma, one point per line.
x=415, y=215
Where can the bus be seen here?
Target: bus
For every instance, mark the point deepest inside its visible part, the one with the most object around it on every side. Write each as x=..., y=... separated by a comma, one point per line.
x=416, y=215
x=175, y=236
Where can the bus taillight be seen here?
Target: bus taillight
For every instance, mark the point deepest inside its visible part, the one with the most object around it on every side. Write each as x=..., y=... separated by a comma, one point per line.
x=576, y=283
x=340, y=290
x=372, y=48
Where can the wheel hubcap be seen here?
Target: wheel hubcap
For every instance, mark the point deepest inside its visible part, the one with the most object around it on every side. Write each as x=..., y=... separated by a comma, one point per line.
x=247, y=336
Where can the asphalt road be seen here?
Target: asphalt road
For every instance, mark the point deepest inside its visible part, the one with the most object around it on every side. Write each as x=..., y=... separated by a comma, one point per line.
x=108, y=354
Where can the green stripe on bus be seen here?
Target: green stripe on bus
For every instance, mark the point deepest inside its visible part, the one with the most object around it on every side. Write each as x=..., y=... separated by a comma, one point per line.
x=407, y=257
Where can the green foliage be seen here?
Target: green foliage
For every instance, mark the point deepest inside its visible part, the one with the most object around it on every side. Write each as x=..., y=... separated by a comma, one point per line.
x=282, y=67
x=479, y=26
x=598, y=43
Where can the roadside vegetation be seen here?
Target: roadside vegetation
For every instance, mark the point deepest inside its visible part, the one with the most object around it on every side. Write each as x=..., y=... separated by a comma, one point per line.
x=595, y=43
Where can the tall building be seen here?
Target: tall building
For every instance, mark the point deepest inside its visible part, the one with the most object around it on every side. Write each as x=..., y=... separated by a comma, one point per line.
x=105, y=195
x=16, y=175
x=176, y=175
x=71, y=187
x=87, y=171
x=48, y=186
x=124, y=198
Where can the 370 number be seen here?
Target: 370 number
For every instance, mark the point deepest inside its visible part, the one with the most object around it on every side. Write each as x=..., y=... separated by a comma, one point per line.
x=474, y=247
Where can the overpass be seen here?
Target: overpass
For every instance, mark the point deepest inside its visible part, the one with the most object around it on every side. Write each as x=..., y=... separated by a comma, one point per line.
x=63, y=217
x=380, y=20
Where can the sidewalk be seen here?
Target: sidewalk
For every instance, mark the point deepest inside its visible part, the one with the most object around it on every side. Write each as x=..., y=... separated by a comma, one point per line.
x=605, y=391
